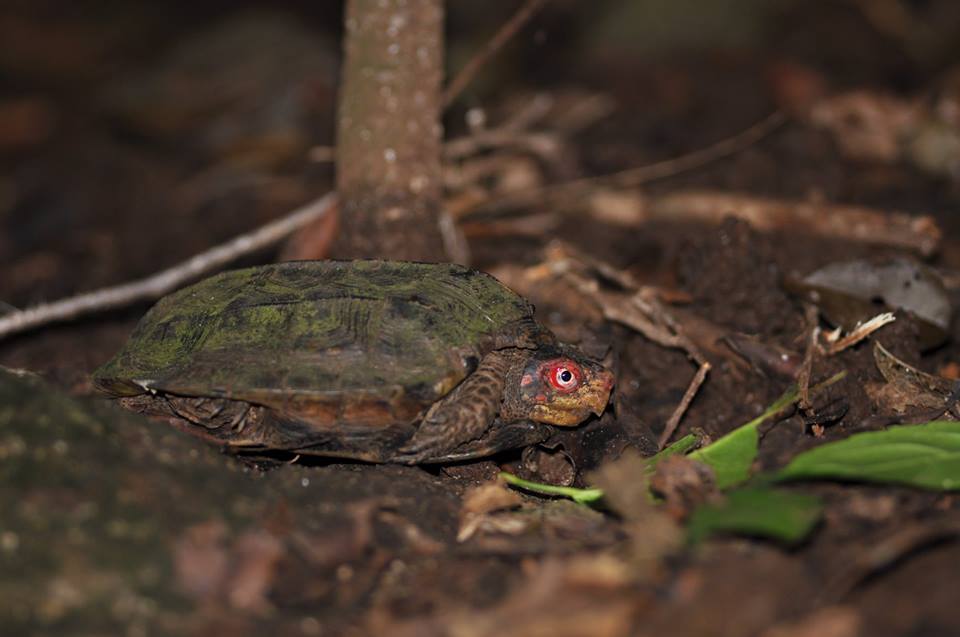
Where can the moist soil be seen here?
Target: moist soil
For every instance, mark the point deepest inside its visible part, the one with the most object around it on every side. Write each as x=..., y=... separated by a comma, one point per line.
x=111, y=171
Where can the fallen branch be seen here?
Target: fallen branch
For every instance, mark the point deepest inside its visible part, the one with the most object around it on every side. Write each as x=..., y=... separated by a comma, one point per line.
x=168, y=280
x=879, y=554
x=837, y=221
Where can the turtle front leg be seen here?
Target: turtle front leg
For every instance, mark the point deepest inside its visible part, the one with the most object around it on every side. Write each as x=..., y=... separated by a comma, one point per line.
x=500, y=437
x=464, y=414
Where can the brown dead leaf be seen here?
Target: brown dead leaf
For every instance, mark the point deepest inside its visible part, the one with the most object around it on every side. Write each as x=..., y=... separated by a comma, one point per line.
x=345, y=541
x=626, y=486
x=256, y=555
x=200, y=559
x=479, y=502
x=866, y=125
x=653, y=533
x=684, y=484
x=833, y=621
x=906, y=388
x=585, y=595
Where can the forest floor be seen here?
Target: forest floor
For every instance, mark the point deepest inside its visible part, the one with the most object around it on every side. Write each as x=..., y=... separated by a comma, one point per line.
x=129, y=144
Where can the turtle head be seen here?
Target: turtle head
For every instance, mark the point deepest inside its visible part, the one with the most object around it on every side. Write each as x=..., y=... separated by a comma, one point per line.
x=560, y=386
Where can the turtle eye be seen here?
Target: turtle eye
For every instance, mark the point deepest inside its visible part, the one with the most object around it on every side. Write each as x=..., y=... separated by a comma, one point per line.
x=564, y=377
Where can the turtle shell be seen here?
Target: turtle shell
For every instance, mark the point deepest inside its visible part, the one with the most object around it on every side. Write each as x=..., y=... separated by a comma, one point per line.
x=368, y=343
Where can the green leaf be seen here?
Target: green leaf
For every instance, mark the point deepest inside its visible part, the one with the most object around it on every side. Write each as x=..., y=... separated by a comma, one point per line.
x=580, y=496
x=732, y=456
x=925, y=456
x=776, y=514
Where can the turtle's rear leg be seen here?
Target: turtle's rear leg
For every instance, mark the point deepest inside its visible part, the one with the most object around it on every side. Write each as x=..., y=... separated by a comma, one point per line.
x=462, y=415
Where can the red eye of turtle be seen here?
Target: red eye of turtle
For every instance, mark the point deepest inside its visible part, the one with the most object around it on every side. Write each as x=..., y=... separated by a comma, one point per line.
x=564, y=377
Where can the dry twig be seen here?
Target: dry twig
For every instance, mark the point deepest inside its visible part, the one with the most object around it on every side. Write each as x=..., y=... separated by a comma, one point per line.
x=674, y=421
x=883, y=553
x=837, y=343
x=811, y=319
x=566, y=191
x=168, y=280
x=507, y=31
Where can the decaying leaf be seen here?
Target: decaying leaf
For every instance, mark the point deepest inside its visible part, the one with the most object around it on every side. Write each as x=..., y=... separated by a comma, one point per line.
x=906, y=388
x=848, y=293
x=683, y=483
x=626, y=487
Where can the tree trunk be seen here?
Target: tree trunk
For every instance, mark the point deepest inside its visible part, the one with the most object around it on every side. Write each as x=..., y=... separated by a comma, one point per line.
x=389, y=130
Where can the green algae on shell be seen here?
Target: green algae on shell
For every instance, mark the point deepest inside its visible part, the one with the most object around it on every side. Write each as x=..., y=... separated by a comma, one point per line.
x=372, y=331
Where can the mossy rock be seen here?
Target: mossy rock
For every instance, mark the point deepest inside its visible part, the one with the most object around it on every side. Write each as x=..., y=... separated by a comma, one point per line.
x=102, y=511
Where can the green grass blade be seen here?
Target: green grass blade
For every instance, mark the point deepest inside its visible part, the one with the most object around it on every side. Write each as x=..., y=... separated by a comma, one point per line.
x=678, y=448
x=581, y=496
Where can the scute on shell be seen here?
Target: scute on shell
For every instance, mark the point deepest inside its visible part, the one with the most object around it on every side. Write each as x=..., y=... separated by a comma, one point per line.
x=374, y=336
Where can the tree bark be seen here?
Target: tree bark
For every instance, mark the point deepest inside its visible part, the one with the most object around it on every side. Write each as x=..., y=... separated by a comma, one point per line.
x=390, y=132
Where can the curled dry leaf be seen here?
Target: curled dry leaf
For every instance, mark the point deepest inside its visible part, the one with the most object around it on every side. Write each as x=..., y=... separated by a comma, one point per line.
x=906, y=388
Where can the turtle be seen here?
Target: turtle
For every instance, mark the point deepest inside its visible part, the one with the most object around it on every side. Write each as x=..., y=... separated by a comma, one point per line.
x=370, y=360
